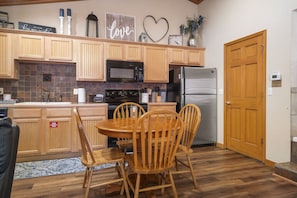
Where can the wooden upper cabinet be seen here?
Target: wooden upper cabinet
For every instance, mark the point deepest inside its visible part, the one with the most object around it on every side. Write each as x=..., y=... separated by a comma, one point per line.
x=120, y=51
x=45, y=48
x=114, y=51
x=58, y=49
x=31, y=47
x=133, y=52
x=192, y=57
x=177, y=56
x=8, y=69
x=90, y=60
x=156, y=68
x=195, y=57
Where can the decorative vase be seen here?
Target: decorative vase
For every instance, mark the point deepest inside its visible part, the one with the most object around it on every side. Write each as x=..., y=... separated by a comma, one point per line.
x=192, y=40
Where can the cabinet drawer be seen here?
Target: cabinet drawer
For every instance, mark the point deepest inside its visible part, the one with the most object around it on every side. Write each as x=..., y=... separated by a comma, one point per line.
x=92, y=111
x=164, y=107
x=26, y=113
x=58, y=112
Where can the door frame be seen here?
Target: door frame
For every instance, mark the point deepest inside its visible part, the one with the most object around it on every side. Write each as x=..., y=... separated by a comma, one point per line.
x=262, y=33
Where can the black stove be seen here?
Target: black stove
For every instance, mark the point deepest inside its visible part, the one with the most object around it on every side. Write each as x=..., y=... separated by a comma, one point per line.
x=114, y=97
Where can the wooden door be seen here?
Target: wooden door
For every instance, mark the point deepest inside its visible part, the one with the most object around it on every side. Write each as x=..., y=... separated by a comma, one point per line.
x=245, y=95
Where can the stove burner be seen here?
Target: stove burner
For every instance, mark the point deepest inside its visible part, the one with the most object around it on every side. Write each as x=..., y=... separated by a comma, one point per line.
x=120, y=96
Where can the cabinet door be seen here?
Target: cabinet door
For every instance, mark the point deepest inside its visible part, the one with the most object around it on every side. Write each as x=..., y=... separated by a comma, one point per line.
x=97, y=140
x=90, y=116
x=31, y=133
x=133, y=52
x=195, y=57
x=155, y=64
x=90, y=60
x=7, y=67
x=156, y=106
x=31, y=47
x=176, y=56
x=58, y=49
x=58, y=136
x=114, y=51
x=118, y=51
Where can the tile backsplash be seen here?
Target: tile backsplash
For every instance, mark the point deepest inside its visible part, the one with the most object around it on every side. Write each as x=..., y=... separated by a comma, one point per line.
x=55, y=82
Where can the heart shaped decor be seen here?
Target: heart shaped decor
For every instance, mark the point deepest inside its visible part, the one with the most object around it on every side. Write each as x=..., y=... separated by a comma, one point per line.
x=156, y=30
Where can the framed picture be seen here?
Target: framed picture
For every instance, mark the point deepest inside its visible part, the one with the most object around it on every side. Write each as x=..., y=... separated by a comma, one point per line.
x=3, y=16
x=175, y=40
x=37, y=28
x=120, y=27
x=6, y=24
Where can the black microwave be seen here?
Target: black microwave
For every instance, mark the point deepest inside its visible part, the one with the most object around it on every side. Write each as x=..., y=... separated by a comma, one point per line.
x=124, y=71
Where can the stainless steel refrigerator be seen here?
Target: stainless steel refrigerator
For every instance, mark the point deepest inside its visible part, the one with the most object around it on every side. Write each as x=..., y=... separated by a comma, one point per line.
x=196, y=85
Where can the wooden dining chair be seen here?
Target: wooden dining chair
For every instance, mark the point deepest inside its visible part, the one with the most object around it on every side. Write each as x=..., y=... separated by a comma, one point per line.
x=148, y=158
x=92, y=158
x=127, y=110
x=191, y=116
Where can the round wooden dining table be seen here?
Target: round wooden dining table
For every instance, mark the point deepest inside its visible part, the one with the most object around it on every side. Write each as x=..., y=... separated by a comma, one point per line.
x=116, y=128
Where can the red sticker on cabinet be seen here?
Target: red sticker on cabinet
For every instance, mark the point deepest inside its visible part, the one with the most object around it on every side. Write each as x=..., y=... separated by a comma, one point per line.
x=53, y=124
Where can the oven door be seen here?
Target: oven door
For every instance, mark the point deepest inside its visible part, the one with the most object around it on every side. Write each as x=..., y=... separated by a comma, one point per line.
x=111, y=142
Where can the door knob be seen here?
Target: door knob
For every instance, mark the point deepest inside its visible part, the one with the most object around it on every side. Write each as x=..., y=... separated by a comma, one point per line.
x=228, y=103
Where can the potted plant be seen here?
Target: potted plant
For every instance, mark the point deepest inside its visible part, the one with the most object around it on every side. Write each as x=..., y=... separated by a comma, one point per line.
x=193, y=24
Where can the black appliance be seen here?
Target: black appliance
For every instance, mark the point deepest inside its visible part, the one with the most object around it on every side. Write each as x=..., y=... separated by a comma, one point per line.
x=3, y=112
x=114, y=97
x=124, y=71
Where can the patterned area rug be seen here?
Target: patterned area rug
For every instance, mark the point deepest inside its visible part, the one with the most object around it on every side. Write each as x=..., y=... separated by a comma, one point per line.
x=49, y=167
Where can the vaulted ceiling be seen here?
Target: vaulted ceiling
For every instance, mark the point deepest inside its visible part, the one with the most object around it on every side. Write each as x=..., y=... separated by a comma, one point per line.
x=22, y=2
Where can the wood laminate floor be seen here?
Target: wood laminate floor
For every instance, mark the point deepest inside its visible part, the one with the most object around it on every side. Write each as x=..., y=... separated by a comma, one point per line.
x=220, y=174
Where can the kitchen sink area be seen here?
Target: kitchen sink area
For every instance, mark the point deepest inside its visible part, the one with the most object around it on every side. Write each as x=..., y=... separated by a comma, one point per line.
x=43, y=103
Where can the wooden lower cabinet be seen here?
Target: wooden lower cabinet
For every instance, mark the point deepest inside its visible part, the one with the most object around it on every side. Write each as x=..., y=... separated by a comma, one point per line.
x=58, y=133
x=162, y=105
x=51, y=132
x=90, y=116
x=31, y=133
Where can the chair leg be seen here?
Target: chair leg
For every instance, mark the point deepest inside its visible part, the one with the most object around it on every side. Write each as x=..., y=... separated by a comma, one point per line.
x=85, y=178
x=172, y=185
x=192, y=171
x=137, y=185
x=163, y=182
x=89, y=181
x=123, y=175
x=176, y=163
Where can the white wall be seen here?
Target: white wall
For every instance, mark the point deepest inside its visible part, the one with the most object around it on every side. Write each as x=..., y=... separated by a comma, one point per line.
x=228, y=20
x=175, y=11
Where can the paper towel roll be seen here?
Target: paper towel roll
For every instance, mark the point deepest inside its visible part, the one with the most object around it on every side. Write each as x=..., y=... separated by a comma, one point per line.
x=144, y=98
x=81, y=95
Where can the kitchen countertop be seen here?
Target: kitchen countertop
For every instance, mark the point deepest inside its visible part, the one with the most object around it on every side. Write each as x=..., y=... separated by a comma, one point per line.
x=51, y=104
x=69, y=104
